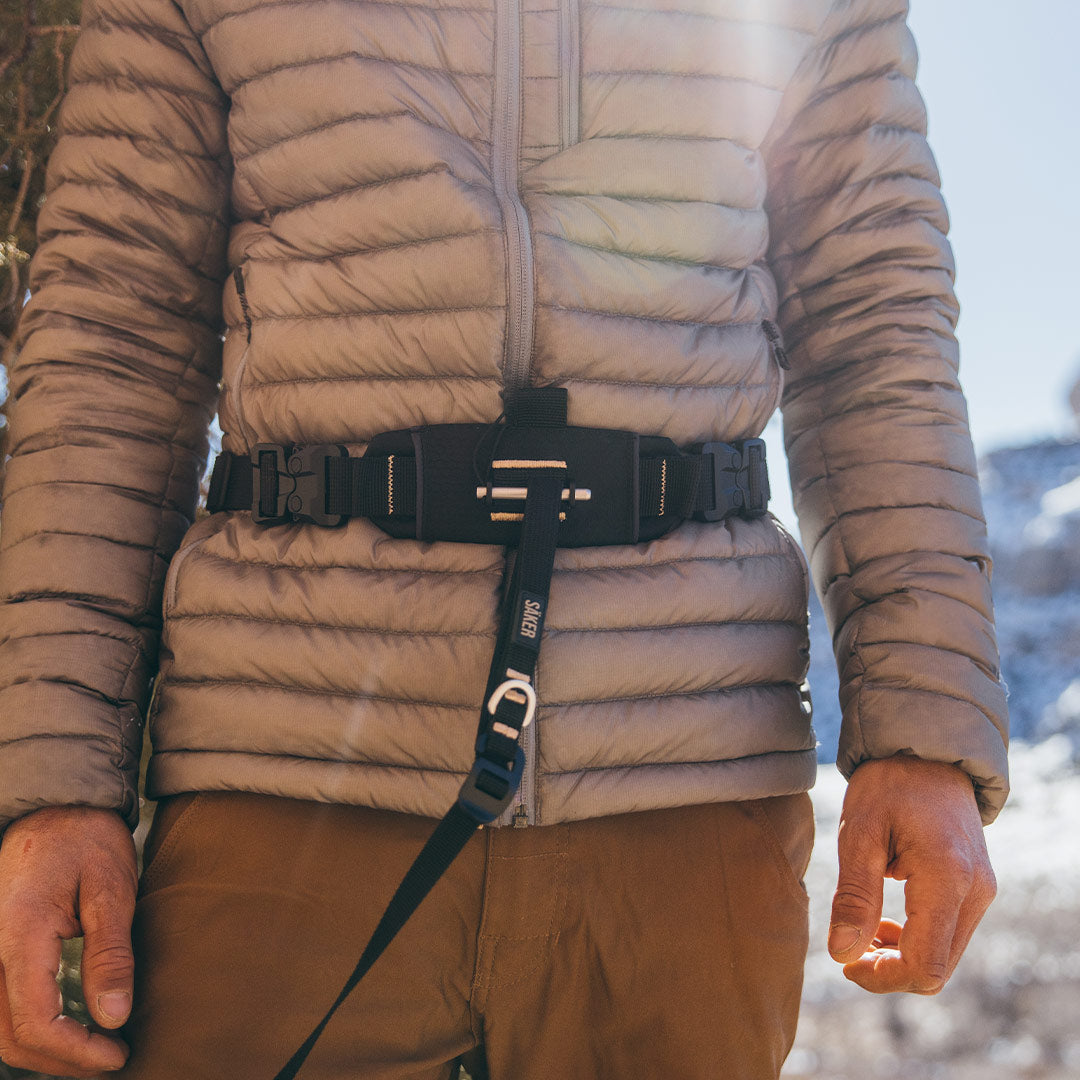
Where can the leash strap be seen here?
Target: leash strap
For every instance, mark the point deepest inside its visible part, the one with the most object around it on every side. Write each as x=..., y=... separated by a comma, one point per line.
x=510, y=704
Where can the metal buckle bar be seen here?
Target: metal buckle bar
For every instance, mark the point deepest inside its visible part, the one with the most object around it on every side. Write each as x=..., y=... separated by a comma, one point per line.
x=519, y=494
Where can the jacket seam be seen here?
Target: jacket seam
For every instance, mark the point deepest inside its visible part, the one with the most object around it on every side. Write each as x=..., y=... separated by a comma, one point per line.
x=357, y=377
x=586, y=770
x=109, y=738
x=374, y=249
x=887, y=684
x=668, y=627
x=364, y=185
x=153, y=548
x=374, y=313
x=678, y=200
x=317, y=129
x=306, y=567
x=353, y=695
x=600, y=313
x=644, y=256
x=685, y=13
x=734, y=688
x=596, y=73
x=878, y=642
x=935, y=466
x=380, y=631
x=336, y=762
x=720, y=559
x=136, y=244
x=397, y=4
x=142, y=195
x=80, y=633
x=410, y=65
x=596, y=379
x=140, y=84
x=130, y=136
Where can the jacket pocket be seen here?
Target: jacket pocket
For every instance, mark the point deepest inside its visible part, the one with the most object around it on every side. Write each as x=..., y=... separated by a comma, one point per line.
x=570, y=73
x=236, y=383
x=779, y=356
x=196, y=536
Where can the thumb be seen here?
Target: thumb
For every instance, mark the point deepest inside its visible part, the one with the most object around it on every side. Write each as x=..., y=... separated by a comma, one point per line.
x=108, y=965
x=856, y=907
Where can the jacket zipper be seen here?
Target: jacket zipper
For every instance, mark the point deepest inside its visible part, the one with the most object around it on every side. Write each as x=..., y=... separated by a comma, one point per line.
x=506, y=152
x=569, y=73
x=776, y=343
x=517, y=359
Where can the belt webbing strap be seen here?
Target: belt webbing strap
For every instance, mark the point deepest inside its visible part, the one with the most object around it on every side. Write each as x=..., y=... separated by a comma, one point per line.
x=508, y=708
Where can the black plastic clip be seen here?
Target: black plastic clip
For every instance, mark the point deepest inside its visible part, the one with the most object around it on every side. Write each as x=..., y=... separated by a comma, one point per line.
x=740, y=481
x=490, y=787
x=291, y=485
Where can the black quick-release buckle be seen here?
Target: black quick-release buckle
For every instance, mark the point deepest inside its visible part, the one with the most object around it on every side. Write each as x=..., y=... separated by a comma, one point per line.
x=740, y=479
x=490, y=786
x=291, y=484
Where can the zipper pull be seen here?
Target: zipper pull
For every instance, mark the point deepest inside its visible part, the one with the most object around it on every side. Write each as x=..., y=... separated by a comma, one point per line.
x=521, y=817
x=241, y=294
x=772, y=332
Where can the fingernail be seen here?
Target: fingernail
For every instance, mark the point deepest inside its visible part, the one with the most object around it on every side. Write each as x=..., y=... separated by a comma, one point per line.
x=843, y=939
x=115, y=1005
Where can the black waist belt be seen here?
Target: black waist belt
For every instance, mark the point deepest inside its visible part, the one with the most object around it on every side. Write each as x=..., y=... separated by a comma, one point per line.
x=534, y=483
x=467, y=483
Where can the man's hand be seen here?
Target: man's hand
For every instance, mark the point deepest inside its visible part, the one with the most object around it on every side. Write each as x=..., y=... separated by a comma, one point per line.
x=65, y=871
x=915, y=821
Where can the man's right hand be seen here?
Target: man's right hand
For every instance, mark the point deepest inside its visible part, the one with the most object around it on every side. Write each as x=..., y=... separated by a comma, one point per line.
x=65, y=871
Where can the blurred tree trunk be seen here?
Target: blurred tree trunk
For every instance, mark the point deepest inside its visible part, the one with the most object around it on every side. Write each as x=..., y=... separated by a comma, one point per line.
x=35, y=42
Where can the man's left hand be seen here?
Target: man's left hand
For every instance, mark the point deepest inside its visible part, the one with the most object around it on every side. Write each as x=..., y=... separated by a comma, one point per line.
x=915, y=821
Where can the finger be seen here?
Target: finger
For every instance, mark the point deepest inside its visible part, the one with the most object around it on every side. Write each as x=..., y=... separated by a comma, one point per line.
x=106, y=910
x=856, y=907
x=972, y=910
x=35, y=1003
x=11, y=1055
x=932, y=903
x=888, y=935
x=920, y=961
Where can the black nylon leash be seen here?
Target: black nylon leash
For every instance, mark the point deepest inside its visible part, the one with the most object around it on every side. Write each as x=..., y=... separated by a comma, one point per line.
x=510, y=703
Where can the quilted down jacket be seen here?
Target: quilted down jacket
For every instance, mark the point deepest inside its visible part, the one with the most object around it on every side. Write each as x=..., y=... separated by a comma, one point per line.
x=395, y=210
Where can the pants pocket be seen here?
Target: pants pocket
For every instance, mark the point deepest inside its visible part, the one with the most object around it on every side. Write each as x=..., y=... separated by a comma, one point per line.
x=786, y=823
x=172, y=818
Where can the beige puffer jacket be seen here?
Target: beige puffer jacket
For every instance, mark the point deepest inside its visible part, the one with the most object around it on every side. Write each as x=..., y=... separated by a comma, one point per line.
x=409, y=207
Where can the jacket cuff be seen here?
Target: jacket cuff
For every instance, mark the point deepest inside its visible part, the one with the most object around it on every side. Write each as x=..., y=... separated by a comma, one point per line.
x=62, y=745
x=950, y=716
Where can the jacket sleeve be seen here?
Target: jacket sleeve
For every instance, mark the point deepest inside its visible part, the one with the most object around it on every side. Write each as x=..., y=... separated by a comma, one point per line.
x=882, y=466
x=112, y=387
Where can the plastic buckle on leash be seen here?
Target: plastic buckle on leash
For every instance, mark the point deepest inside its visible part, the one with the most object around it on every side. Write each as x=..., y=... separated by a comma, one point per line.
x=739, y=481
x=290, y=485
x=489, y=788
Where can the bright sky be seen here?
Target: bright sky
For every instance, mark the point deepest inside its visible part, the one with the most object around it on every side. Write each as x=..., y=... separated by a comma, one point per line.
x=1002, y=89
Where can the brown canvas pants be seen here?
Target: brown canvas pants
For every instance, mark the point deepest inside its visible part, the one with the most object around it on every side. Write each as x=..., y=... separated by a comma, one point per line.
x=661, y=945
